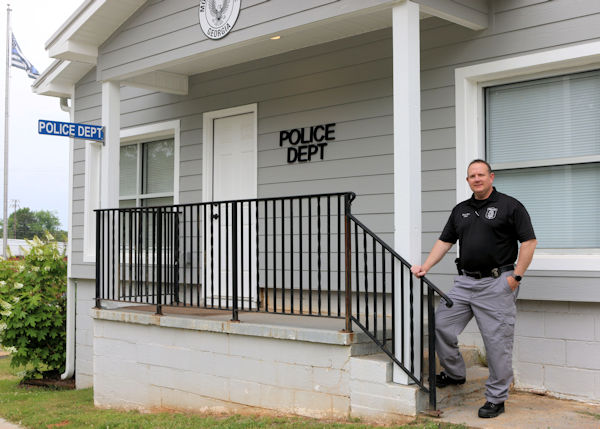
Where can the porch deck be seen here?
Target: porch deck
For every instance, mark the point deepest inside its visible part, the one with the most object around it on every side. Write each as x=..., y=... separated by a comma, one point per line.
x=313, y=329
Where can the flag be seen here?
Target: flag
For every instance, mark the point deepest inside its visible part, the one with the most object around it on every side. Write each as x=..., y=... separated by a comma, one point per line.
x=19, y=61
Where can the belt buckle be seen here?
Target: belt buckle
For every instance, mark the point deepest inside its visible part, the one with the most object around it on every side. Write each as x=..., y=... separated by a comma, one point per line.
x=495, y=272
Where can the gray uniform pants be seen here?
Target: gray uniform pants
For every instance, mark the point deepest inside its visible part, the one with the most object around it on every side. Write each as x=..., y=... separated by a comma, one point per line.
x=493, y=304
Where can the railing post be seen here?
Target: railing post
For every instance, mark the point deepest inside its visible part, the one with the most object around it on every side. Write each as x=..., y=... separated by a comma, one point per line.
x=175, y=214
x=348, y=261
x=234, y=262
x=98, y=259
x=431, y=335
x=159, y=260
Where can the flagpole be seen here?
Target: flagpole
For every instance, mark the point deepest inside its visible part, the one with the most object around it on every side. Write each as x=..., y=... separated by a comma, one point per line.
x=6, y=116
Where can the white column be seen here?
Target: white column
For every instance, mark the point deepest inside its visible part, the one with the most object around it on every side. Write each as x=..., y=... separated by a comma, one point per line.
x=111, y=120
x=407, y=168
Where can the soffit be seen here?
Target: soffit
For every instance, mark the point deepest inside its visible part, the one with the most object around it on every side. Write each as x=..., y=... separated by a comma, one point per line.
x=295, y=38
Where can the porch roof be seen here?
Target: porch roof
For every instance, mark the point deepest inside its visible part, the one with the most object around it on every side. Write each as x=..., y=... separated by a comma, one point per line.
x=75, y=44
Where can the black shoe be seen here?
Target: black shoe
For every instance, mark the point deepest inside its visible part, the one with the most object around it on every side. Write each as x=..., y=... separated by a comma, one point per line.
x=490, y=410
x=442, y=380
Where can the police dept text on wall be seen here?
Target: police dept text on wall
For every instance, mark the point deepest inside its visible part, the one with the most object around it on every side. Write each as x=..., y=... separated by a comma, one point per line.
x=307, y=143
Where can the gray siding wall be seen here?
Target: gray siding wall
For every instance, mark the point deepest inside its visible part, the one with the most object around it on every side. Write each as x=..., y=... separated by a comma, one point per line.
x=348, y=82
x=517, y=27
x=88, y=109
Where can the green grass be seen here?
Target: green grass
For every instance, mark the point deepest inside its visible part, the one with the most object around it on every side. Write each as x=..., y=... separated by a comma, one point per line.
x=587, y=413
x=50, y=408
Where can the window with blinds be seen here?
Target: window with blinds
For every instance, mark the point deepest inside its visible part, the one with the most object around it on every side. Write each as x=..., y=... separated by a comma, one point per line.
x=146, y=172
x=543, y=141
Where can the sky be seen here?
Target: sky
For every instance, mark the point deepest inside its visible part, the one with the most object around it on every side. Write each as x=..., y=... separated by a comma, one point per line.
x=38, y=164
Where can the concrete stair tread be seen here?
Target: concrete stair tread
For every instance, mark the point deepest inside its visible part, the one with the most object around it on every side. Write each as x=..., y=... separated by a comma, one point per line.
x=475, y=384
x=371, y=375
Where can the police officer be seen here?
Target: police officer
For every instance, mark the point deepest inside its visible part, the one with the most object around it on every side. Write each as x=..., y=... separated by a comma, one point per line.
x=487, y=227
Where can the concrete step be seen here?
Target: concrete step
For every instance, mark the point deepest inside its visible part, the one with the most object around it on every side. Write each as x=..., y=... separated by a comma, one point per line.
x=374, y=395
x=373, y=391
x=474, y=386
x=470, y=354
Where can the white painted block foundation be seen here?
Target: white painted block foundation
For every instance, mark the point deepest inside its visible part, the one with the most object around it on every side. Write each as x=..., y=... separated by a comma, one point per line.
x=146, y=362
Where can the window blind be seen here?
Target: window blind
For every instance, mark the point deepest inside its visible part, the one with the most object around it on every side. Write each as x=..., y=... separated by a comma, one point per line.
x=550, y=118
x=158, y=167
x=128, y=170
x=563, y=202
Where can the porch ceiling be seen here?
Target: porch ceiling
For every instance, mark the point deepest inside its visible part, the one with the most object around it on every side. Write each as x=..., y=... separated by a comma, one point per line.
x=294, y=38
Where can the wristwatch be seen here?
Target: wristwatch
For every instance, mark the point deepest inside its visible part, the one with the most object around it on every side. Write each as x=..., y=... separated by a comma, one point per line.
x=518, y=278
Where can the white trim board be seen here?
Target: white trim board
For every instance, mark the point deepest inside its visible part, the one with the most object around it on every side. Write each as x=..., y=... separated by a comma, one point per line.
x=470, y=116
x=207, y=146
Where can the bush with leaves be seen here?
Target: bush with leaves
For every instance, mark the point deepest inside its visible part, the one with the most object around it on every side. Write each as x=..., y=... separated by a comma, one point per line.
x=33, y=308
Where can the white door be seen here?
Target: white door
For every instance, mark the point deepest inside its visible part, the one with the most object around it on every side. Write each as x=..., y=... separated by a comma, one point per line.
x=234, y=164
x=233, y=178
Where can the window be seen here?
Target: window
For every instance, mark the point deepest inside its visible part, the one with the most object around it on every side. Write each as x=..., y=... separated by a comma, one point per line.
x=146, y=173
x=577, y=161
x=542, y=138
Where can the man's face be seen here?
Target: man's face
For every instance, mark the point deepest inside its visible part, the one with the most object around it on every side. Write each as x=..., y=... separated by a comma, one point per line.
x=480, y=179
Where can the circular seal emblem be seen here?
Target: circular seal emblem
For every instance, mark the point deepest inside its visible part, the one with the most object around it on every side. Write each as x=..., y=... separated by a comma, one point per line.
x=217, y=17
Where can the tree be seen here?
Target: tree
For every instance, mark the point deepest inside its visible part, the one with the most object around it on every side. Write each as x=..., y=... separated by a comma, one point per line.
x=34, y=223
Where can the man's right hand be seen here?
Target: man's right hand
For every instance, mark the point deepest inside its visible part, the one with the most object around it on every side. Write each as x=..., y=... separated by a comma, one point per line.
x=418, y=270
x=440, y=248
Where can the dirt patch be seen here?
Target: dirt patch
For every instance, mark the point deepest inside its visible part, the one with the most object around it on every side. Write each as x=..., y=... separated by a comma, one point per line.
x=59, y=424
x=53, y=382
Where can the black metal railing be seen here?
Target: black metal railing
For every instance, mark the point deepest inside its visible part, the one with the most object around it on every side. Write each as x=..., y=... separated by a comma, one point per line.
x=380, y=275
x=301, y=255
x=280, y=255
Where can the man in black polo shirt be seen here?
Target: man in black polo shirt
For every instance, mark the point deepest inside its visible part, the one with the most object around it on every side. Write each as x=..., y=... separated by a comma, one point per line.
x=487, y=227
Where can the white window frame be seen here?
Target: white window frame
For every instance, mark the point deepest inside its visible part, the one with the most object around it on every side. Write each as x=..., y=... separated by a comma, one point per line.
x=470, y=83
x=138, y=197
x=149, y=133
x=168, y=129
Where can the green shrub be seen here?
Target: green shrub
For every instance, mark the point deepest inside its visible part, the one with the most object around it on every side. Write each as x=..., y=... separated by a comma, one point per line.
x=32, y=308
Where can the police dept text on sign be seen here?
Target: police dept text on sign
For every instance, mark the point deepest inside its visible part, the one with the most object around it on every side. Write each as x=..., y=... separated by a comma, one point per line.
x=68, y=129
x=307, y=143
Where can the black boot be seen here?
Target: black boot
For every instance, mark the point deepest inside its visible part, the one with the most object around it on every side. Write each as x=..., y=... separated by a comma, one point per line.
x=490, y=410
x=442, y=380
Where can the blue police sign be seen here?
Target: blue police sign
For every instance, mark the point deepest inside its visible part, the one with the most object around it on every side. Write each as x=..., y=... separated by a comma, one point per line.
x=69, y=129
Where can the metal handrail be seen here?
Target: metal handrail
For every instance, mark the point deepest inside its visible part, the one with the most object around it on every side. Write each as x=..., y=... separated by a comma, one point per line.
x=369, y=308
x=264, y=254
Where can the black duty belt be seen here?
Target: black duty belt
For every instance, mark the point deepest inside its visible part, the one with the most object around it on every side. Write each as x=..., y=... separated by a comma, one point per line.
x=494, y=272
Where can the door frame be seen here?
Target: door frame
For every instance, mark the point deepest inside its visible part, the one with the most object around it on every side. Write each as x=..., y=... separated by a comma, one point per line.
x=208, y=119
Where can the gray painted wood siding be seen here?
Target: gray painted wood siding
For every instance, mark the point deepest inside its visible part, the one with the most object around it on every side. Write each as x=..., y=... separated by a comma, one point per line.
x=88, y=109
x=517, y=27
x=348, y=82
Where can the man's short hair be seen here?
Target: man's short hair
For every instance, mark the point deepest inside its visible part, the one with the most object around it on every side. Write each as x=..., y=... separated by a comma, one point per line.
x=479, y=161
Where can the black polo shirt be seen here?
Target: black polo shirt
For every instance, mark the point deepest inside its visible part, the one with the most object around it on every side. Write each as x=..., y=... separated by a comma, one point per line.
x=488, y=231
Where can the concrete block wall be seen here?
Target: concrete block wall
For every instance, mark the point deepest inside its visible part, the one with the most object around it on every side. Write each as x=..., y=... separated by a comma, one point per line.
x=150, y=367
x=557, y=348
x=84, y=334
x=373, y=395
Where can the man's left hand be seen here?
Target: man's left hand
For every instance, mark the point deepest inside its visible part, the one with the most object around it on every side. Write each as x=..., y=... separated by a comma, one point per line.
x=512, y=282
